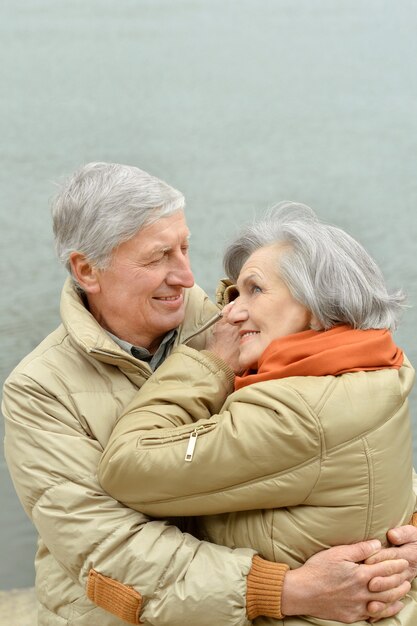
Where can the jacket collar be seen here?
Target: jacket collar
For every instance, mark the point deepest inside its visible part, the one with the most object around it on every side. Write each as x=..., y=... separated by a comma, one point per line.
x=87, y=334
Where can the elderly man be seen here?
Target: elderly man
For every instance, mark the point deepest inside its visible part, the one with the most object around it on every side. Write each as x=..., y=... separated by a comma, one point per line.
x=130, y=298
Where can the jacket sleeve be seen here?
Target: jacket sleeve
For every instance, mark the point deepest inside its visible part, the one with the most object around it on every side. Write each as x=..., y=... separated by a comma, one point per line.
x=246, y=457
x=131, y=566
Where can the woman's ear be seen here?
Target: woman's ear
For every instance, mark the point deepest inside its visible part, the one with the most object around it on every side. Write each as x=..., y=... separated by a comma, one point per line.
x=84, y=272
x=315, y=324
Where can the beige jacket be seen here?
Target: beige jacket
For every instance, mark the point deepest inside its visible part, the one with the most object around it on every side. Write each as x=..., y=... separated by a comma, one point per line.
x=287, y=466
x=60, y=406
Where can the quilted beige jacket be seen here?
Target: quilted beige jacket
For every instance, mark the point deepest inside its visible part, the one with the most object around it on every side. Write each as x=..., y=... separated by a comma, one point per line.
x=287, y=466
x=60, y=405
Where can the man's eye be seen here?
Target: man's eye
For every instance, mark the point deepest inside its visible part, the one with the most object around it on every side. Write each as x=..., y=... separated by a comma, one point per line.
x=156, y=260
x=185, y=248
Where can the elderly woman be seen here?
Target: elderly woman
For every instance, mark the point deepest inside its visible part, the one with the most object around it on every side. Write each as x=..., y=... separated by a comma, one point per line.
x=313, y=447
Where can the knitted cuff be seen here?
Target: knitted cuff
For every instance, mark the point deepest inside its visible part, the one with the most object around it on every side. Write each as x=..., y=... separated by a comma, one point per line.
x=221, y=365
x=114, y=597
x=264, y=588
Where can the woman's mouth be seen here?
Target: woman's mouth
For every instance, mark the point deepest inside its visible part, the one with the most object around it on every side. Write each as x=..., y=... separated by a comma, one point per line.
x=246, y=334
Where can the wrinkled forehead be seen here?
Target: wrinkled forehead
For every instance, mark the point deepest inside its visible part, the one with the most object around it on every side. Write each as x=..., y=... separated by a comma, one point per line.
x=262, y=265
x=265, y=258
x=164, y=233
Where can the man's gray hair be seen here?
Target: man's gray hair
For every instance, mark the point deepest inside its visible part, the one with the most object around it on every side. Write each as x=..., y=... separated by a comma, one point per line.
x=104, y=204
x=325, y=269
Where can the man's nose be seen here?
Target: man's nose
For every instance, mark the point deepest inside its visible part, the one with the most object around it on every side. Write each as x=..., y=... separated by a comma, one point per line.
x=180, y=273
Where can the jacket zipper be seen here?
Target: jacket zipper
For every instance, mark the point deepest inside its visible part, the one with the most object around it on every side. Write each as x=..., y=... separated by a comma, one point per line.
x=172, y=437
x=192, y=443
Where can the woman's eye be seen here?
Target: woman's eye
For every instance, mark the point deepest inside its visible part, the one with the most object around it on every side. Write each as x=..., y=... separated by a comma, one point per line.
x=256, y=289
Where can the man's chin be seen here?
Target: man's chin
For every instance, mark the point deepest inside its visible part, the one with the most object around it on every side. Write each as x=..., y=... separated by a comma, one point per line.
x=172, y=320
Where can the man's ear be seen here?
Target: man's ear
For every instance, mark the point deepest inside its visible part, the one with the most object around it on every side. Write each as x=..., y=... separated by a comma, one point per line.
x=84, y=272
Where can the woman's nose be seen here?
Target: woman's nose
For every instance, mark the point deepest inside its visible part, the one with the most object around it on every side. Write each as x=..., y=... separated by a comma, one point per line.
x=238, y=312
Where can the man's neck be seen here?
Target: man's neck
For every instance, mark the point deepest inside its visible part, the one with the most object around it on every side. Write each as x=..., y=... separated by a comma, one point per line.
x=155, y=358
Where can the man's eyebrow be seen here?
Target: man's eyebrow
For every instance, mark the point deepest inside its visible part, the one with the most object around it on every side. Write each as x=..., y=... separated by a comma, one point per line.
x=161, y=249
x=158, y=250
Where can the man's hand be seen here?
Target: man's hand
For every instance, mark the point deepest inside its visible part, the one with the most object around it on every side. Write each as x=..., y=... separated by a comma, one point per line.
x=333, y=584
x=224, y=340
x=404, y=540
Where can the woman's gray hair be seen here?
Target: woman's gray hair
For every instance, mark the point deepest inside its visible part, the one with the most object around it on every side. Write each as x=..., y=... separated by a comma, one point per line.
x=324, y=268
x=104, y=204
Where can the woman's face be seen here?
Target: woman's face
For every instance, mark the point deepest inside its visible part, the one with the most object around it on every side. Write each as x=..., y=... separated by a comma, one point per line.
x=265, y=309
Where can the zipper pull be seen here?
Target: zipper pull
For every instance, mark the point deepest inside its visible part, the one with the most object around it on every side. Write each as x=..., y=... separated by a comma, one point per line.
x=191, y=444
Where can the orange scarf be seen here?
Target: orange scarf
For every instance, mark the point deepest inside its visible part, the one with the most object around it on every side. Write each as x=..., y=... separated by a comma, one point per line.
x=321, y=353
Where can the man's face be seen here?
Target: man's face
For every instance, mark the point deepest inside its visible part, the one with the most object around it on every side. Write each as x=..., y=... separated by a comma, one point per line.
x=140, y=296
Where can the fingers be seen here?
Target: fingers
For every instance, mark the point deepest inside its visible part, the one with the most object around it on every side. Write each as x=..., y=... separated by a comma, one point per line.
x=392, y=595
x=388, y=568
x=386, y=554
x=226, y=310
x=402, y=534
x=379, y=610
x=357, y=552
x=385, y=583
x=389, y=588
